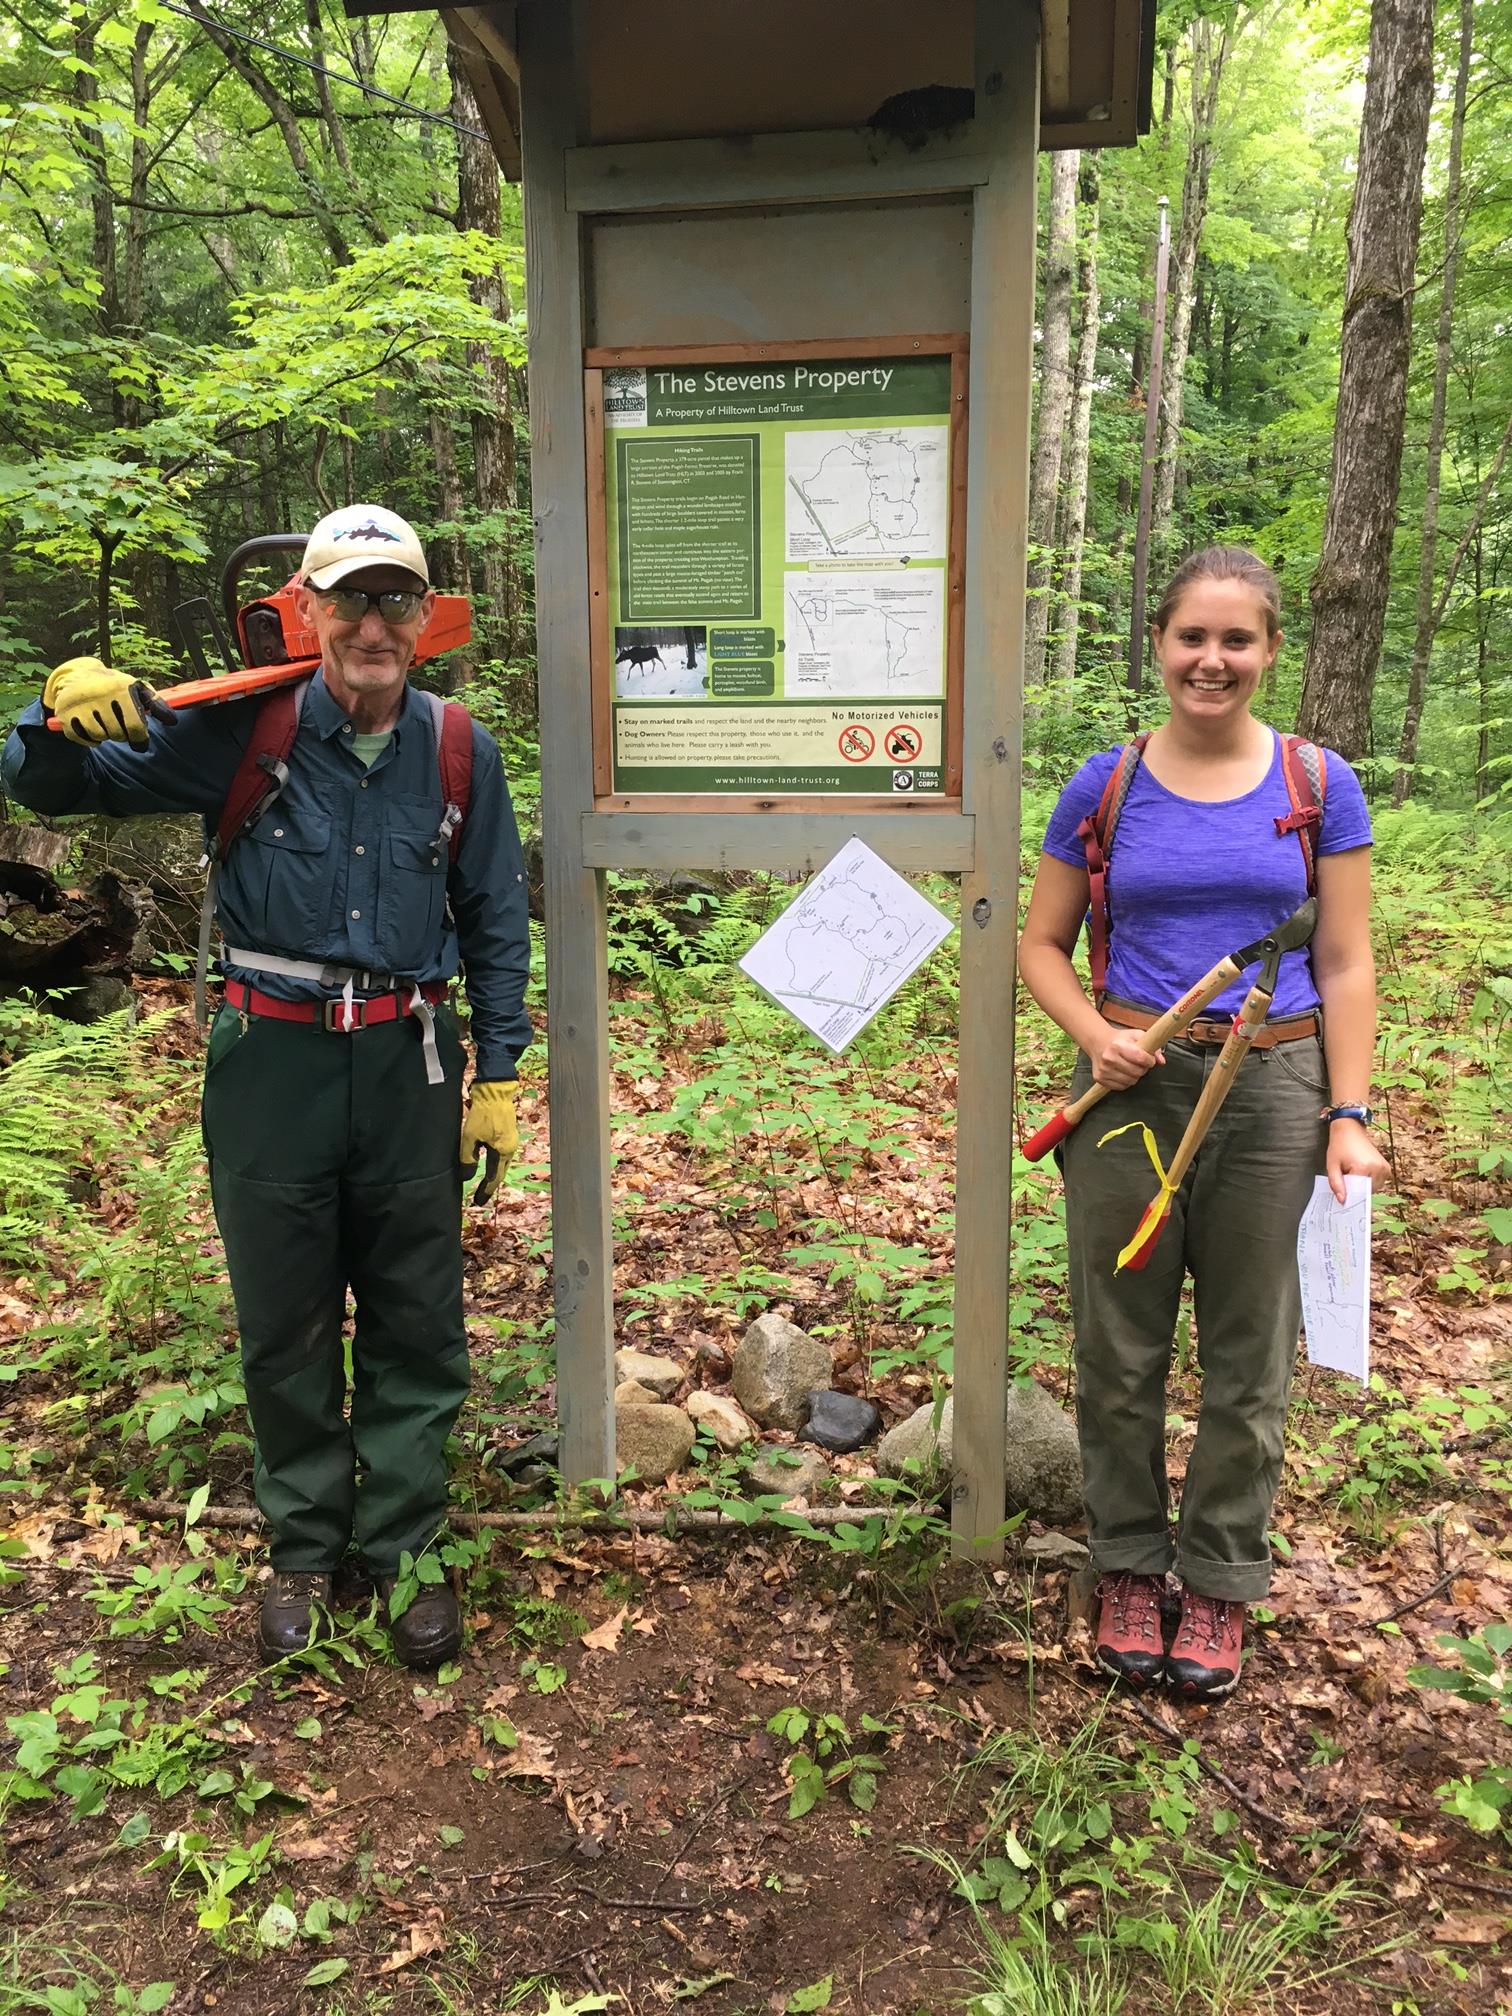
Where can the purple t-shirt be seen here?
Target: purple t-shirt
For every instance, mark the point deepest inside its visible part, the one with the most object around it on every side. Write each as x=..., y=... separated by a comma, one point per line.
x=1189, y=882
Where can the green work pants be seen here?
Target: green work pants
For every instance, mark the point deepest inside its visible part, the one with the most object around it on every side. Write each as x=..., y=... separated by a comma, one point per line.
x=333, y=1165
x=1233, y=1228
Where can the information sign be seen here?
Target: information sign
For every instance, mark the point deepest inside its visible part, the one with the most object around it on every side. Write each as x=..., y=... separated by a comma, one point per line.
x=779, y=583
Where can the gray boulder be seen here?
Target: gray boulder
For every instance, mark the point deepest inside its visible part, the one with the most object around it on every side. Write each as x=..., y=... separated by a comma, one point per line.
x=1043, y=1471
x=917, y=1441
x=839, y=1421
x=777, y=1365
x=795, y=1473
x=718, y=1413
x=1042, y=1475
x=652, y=1441
x=661, y=1376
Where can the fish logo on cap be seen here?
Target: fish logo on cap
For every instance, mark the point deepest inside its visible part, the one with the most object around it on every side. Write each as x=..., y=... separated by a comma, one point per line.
x=371, y=530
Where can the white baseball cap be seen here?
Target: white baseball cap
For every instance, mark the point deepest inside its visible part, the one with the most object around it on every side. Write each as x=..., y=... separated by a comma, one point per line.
x=358, y=536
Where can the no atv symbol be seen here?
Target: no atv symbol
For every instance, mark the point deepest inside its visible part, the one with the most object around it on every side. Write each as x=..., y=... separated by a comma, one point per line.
x=903, y=743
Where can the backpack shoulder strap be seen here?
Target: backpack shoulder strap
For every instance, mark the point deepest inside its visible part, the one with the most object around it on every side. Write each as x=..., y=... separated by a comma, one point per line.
x=264, y=767
x=1305, y=767
x=1096, y=835
x=452, y=725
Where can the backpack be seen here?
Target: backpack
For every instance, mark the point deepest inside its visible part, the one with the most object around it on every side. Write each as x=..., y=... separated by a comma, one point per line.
x=264, y=770
x=1305, y=768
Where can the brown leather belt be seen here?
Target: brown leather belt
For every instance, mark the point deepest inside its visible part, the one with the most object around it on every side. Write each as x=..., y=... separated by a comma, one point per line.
x=1288, y=1029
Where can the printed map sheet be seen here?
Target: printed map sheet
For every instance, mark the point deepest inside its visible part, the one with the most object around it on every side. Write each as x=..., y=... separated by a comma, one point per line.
x=866, y=636
x=1333, y=1263
x=867, y=491
x=844, y=947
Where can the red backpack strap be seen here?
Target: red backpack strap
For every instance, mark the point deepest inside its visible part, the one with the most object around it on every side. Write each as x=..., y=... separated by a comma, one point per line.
x=1096, y=835
x=264, y=767
x=454, y=760
x=1305, y=767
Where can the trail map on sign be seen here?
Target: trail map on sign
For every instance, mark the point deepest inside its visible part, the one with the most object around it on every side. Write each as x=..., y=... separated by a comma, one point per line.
x=870, y=490
x=1333, y=1264
x=866, y=635
x=844, y=947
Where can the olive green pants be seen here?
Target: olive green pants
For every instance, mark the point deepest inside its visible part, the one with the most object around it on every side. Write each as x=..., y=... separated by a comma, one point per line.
x=1233, y=1228
x=333, y=1165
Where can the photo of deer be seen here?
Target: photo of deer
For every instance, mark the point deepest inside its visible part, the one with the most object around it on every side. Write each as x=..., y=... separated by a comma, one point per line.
x=661, y=663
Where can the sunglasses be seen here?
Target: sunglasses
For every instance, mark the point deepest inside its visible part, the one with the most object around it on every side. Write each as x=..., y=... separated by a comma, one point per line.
x=350, y=605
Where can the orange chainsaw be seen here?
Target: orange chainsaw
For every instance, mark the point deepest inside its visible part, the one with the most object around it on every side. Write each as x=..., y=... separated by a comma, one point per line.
x=277, y=647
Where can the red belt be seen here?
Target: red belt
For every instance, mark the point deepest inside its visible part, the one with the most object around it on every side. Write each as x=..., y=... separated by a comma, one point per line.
x=340, y=1016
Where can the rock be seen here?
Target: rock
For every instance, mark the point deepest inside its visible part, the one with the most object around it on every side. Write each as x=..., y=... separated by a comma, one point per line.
x=539, y=1449
x=1054, y=1550
x=839, y=1421
x=1043, y=1472
x=723, y=1419
x=916, y=1441
x=1042, y=1475
x=662, y=1376
x=711, y=1353
x=652, y=1441
x=776, y=1367
x=795, y=1473
x=631, y=1393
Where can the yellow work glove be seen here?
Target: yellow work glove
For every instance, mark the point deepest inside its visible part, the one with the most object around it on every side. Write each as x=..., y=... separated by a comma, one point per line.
x=95, y=704
x=489, y=1127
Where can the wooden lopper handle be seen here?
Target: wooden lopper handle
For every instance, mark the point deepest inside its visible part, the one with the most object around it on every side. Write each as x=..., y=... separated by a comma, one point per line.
x=1172, y=1023
x=1247, y=1025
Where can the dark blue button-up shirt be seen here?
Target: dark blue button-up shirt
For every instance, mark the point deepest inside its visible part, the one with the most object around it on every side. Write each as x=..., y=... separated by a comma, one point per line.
x=346, y=867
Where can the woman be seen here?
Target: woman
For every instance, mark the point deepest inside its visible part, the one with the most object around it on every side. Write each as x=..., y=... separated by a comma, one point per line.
x=1199, y=868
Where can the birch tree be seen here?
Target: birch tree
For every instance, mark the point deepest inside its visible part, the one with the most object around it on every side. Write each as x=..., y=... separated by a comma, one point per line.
x=1078, y=445
x=1209, y=54
x=1054, y=398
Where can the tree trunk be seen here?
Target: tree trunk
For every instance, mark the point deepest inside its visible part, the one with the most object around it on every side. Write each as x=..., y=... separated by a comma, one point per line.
x=1350, y=587
x=457, y=669
x=1422, y=642
x=1054, y=398
x=1073, y=537
x=1208, y=60
x=493, y=419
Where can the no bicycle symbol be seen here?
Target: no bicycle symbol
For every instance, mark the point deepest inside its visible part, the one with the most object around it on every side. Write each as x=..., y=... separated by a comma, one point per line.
x=856, y=743
x=903, y=743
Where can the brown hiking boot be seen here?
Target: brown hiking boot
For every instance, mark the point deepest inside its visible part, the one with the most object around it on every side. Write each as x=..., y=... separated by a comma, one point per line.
x=1129, y=1640
x=1203, y=1663
x=295, y=1612
x=430, y=1630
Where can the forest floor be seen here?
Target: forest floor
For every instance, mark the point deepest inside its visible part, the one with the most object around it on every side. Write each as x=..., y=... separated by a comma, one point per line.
x=601, y=1804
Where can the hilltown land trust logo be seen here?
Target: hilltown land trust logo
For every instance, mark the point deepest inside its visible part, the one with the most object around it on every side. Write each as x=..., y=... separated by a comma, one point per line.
x=624, y=397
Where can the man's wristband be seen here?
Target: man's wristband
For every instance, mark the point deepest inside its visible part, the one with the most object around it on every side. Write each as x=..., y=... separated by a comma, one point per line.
x=1349, y=1112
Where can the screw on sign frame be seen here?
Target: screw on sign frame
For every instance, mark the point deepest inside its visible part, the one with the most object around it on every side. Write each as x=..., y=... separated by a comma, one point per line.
x=856, y=743
x=903, y=743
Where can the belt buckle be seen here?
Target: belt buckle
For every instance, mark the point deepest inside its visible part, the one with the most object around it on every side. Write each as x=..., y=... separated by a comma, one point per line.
x=332, y=1012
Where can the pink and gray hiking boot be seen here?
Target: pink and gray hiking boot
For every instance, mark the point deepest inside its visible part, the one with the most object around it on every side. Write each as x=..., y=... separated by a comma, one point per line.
x=1203, y=1663
x=1129, y=1639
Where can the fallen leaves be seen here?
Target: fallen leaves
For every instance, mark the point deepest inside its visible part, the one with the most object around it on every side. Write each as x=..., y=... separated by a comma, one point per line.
x=607, y=1635
x=421, y=1939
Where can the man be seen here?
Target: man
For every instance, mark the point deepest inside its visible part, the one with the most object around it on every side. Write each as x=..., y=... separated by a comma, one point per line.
x=333, y=1086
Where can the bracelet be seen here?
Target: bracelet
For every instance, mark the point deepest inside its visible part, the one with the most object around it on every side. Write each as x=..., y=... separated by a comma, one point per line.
x=1349, y=1111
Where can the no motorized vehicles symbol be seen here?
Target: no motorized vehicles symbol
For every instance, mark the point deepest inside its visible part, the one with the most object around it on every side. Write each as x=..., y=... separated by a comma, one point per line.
x=903, y=743
x=856, y=743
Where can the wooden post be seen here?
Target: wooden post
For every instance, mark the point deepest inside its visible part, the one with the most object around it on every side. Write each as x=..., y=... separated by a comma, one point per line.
x=1002, y=341
x=577, y=987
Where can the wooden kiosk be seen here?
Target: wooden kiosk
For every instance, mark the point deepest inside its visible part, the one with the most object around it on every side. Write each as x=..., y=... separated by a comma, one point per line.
x=744, y=205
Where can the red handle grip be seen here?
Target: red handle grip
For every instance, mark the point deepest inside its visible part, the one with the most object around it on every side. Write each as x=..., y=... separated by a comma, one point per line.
x=1054, y=1130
